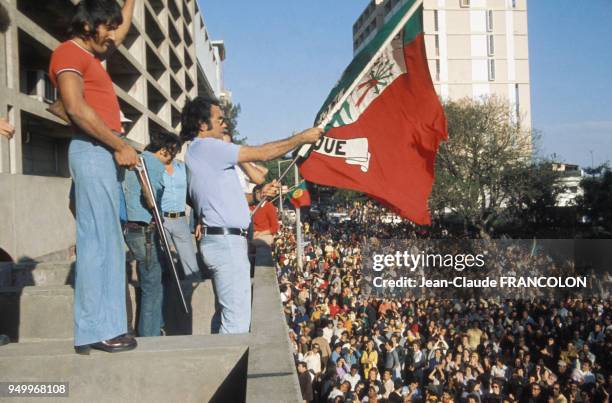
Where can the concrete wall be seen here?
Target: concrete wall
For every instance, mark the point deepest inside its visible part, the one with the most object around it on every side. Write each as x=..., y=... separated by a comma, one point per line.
x=35, y=216
x=207, y=55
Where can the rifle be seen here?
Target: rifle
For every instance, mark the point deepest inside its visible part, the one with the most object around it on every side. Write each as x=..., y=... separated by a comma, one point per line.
x=159, y=223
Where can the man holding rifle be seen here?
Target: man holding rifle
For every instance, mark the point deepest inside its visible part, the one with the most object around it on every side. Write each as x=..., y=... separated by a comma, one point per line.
x=96, y=154
x=141, y=234
x=220, y=203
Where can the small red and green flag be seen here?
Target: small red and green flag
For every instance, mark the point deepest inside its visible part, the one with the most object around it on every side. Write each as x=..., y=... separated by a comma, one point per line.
x=384, y=121
x=299, y=197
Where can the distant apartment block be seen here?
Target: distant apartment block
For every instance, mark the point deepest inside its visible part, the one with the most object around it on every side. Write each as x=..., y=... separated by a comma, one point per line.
x=474, y=47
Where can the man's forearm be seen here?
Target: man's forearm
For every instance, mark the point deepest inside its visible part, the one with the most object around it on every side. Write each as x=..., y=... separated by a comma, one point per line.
x=273, y=150
x=88, y=120
x=253, y=173
x=127, y=12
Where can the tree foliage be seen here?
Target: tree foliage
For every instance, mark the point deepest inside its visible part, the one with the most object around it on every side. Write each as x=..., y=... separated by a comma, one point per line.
x=484, y=172
x=231, y=112
x=596, y=201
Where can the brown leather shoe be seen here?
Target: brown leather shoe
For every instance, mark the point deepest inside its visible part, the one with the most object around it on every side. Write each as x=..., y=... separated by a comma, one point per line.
x=119, y=343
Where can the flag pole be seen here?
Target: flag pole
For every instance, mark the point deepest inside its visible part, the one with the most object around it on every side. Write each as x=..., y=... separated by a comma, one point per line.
x=280, y=192
x=298, y=225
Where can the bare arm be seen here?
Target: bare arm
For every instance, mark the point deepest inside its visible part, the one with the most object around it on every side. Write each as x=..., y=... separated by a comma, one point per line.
x=124, y=28
x=275, y=149
x=253, y=173
x=145, y=191
x=70, y=86
x=6, y=129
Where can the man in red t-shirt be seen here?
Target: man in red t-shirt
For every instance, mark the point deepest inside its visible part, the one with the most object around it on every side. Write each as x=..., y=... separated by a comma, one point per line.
x=265, y=219
x=95, y=155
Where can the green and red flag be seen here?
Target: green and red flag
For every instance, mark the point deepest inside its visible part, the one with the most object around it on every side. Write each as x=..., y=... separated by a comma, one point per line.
x=299, y=197
x=383, y=121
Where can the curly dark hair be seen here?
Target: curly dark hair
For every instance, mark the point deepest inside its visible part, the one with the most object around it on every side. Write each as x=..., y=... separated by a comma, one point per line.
x=196, y=112
x=93, y=13
x=162, y=139
x=5, y=20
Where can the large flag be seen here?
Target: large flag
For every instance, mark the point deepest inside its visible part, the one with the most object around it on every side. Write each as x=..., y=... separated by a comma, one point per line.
x=384, y=121
x=300, y=197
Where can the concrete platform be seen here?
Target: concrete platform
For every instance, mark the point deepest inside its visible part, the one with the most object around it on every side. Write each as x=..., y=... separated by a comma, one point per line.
x=254, y=367
x=161, y=369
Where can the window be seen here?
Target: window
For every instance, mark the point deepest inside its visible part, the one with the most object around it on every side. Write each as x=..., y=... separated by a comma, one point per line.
x=517, y=101
x=437, y=41
x=490, y=21
x=464, y=3
x=50, y=94
x=436, y=24
x=438, y=70
x=513, y=3
x=490, y=45
x=491, y=69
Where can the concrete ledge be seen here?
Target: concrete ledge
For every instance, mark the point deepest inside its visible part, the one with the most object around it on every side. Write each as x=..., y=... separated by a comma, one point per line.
x=161, y=369
x=272, y=376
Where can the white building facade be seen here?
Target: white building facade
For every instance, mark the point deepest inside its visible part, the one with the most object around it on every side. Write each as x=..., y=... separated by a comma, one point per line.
x=475, y=48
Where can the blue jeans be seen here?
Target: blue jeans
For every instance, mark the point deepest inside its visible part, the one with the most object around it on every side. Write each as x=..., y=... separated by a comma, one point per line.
x=177, y=231
x=226, y=257
x=99, y=289
x=144, y=244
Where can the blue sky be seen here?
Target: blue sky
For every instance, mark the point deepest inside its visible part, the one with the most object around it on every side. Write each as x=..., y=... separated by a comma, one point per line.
x=283, y=57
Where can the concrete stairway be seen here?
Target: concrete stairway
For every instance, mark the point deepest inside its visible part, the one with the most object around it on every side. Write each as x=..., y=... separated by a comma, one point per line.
x=36, y=303
x=36, y=311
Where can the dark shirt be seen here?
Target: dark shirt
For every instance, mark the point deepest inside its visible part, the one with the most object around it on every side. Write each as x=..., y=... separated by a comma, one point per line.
x=306, y=386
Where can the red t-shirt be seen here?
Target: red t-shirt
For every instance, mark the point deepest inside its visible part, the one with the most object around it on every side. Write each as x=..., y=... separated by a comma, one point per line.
x=98, y=88
x=265, y=218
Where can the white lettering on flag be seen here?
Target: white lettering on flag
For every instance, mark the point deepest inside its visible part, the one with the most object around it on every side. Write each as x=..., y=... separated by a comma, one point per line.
x=354, y=151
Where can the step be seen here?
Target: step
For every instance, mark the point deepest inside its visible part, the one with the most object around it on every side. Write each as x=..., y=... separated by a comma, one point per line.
x=41, y=273
x=36, y=313
x=161, y=369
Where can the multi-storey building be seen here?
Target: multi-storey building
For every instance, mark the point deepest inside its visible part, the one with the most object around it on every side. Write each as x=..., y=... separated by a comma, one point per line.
x=166, y=58
x=475, y=48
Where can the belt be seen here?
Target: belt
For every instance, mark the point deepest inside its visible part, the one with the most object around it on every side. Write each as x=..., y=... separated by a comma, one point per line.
x=224, y=231
x=138, y=225
x=174, y=215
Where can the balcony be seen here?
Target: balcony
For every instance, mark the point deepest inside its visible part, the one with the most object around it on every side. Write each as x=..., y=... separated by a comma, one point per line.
x=33, y=64
x=123, y=73
x=44, y=146
x=52, y=16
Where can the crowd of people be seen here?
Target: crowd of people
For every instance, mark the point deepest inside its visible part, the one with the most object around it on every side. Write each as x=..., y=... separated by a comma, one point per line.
x=353, y=346
x=349, y=345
